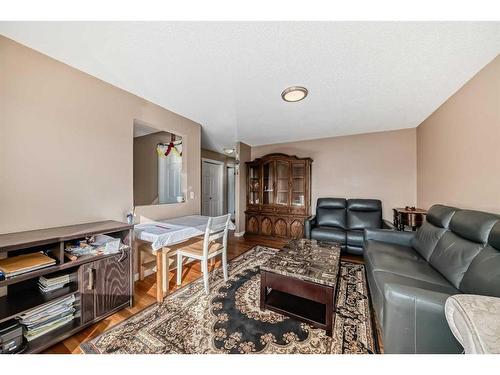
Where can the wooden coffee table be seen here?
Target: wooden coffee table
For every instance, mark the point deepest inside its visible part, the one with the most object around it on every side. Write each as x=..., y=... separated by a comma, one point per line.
x=300, y=281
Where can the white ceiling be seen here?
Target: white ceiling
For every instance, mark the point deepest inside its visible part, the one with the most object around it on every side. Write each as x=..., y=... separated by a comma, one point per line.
x=228, y=76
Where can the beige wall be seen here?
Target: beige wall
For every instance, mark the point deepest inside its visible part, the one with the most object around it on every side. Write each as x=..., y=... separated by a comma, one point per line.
x=227, y=160
x=243, y=152
x=66, y=145
x=376, y=165
x=458, y=152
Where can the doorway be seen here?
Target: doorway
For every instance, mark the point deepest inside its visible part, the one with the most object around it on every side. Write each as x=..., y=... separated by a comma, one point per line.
x=212, y=187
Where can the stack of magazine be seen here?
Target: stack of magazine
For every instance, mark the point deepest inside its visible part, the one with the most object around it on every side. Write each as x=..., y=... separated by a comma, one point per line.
x=53, y=282
x=47, y=318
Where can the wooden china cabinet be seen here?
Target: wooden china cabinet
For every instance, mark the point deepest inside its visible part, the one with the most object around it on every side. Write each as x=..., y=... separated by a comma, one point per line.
x=278, y=195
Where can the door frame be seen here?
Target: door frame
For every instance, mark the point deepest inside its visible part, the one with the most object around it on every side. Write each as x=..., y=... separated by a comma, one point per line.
x=233, y=167
x=220, y=193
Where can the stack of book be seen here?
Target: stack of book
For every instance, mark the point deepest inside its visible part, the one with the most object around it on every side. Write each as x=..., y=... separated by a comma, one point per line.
x=47, y=318
x=53, y=282
x=20, y=264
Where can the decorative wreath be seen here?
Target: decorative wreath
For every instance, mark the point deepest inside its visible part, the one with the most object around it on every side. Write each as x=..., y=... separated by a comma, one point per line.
x=170, y=148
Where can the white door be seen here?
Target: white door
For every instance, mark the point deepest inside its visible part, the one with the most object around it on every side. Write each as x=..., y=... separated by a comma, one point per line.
x=230, y=191
x=211, y=174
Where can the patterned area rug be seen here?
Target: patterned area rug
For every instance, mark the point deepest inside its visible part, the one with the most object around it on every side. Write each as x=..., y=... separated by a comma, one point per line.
x=229, y=320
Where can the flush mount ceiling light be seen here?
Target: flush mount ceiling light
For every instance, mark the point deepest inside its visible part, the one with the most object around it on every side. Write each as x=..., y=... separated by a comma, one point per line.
x=294, y=93
x=228, y=151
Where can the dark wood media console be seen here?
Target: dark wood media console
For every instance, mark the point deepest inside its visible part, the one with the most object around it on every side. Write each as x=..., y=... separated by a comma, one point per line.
x=102, y=286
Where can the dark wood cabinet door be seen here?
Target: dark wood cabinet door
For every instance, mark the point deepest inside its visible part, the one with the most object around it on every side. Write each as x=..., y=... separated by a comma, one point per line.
x=112, y=283
x=252, y=225
x=297, y=229
x=266, y=226
x=87, y=292
x=280, y=228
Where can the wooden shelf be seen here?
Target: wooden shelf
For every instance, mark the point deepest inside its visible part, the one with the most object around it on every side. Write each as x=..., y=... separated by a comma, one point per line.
x=23, y=240
x=12, y=305
x=51, y=269
x=301, y=308
x=102, y=297
x=47, y=340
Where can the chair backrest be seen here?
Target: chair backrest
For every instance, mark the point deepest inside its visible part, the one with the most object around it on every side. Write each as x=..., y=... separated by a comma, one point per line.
x=364, y=213
x=330, y=212
x=217, y=227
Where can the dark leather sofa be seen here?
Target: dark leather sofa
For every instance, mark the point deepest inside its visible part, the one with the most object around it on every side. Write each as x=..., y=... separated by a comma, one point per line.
x=411, y=274
x=343, y=220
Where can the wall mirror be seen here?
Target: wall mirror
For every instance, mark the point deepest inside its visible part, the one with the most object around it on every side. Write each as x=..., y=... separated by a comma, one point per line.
x=157, y=166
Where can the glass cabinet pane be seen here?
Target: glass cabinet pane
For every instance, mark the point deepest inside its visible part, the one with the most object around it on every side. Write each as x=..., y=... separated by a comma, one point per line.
x=269, y=183
x=298, y=184
x=254, y=185
x=283, y=180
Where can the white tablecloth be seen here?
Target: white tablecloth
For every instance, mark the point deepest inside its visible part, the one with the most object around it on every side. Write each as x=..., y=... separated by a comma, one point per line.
x=167, y=232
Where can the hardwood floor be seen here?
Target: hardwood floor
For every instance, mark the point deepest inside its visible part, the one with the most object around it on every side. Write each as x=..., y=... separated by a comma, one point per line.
x=145, y=291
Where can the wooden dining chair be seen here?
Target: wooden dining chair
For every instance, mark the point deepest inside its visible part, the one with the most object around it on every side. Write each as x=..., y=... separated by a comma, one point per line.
x=207, y=248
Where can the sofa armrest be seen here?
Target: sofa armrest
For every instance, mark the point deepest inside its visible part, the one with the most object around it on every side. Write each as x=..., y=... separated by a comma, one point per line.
x=309, y=223
x=414, y=321
x=391, y=236
x=386, y=224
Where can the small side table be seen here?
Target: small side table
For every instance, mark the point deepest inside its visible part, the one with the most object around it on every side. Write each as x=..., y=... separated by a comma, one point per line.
x=475, y=322
x=406, y=217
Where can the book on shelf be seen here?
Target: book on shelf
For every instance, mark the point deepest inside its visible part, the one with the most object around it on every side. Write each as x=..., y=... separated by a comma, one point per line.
x=49, y=283
x=19, y=264
x=48, y=317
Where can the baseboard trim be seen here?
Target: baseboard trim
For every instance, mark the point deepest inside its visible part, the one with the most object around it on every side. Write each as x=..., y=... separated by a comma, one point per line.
x=239, y=234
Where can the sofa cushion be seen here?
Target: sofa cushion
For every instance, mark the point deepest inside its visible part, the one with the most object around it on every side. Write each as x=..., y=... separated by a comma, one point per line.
x=473, y=225
x=426, y=239
x=355, y=237
x=440, y=215
x=458, y=247
x=418, y=269
x=329, y=234
x=331, y=212
x=364, y=213
x=483, y=275
x=378, y=247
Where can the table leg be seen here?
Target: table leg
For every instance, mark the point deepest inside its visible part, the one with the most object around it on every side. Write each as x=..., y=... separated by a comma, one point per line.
x=164, y=274
x=329, y=311
x=159, y=276
x=263, y=290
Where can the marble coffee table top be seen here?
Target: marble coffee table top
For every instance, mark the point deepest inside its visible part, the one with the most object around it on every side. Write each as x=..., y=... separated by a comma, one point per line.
x=307, y=260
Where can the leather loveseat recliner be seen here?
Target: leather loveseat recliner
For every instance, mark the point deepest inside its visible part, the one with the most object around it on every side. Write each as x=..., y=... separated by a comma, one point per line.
x=343, y=221
x=411, y=274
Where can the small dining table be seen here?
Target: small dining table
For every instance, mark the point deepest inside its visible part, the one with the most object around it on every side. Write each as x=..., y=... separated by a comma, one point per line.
x=166, y=237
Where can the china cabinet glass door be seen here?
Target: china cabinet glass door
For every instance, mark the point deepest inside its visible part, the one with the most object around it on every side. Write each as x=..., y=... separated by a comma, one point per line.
x=298, y=184
x=282, y=182
x=268, y=182
x=254, y=185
